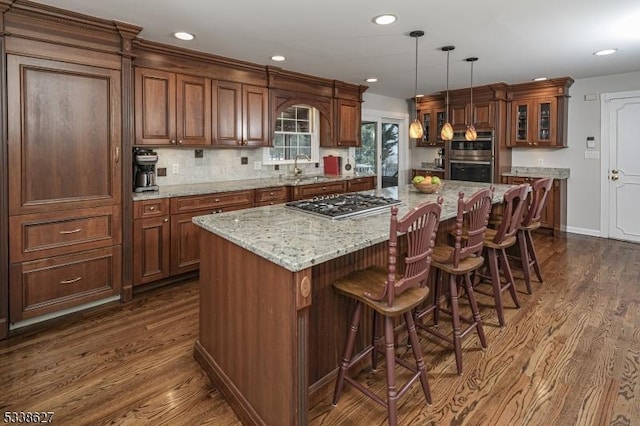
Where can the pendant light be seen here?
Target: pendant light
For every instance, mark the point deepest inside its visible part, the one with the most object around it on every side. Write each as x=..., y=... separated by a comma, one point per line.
x=415, y=129
x=470, y=134
x=447, y=130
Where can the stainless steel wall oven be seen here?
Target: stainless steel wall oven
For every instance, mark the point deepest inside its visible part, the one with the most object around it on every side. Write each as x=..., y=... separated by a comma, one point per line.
x=472, y=160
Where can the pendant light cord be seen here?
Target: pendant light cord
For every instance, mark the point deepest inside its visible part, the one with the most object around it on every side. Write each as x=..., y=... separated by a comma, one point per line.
x=415, y=99
x=471, y=123
x=448, y=51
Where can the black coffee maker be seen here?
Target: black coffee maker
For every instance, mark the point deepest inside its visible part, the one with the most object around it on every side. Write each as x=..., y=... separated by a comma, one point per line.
x=144, y=170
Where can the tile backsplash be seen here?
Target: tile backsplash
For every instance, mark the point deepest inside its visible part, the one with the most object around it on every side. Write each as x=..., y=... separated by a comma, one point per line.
x=225, y=164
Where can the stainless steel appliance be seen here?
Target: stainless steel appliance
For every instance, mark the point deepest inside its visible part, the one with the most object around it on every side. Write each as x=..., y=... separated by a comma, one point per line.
x=472, y=160
x=144, y=170
x=341, y=206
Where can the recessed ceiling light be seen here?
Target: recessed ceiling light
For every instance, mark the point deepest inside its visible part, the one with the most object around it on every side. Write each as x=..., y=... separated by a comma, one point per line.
x=184, y=36
x=540, y=79
x=278, y=58
x=385, y=19
x=419, y=96
x=371, y=80
x=605, y=52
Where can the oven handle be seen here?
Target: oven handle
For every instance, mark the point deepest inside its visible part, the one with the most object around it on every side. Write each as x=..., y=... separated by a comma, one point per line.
x=469, y=162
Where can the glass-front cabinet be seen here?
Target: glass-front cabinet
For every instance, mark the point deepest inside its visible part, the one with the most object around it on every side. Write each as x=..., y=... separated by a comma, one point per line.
x=432, y=116
x=539, y=114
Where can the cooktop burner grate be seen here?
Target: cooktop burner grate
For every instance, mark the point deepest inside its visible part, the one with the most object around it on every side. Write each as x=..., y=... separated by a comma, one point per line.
x=341, y=206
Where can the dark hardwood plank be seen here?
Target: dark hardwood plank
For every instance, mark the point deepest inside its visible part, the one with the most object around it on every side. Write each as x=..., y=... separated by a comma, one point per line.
x=570, y=355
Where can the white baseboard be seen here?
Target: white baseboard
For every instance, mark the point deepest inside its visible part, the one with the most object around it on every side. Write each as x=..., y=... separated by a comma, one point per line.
x=584, y=231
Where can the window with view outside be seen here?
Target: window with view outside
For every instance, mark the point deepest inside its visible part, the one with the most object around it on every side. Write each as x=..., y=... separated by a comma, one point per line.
x=366, y=155
x=294, y=136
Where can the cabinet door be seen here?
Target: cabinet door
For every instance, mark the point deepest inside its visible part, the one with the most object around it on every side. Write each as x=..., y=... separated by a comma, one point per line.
x=440, y=118
x=193, y=109
x=64, y=135
x=226, y=119
x=361, y=184
x=545, y=131
x=425, y=119
x=483, y=117
x=151, y=249
x=255, y=116
x=459, y=116
x=521, y=124
x=155, y=109
x=185, y=245
x=348, y=125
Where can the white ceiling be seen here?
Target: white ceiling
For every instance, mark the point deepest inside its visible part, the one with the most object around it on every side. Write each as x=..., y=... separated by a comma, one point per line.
x=515, y=40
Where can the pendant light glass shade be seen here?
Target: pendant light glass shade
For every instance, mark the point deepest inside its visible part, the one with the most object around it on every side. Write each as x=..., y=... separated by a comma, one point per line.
x=446, y=134
x=415, y=129
x=470, y=134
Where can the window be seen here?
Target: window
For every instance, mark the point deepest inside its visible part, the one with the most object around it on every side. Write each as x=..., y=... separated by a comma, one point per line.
x=295, y=134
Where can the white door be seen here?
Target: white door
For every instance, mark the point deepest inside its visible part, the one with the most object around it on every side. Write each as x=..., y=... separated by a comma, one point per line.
x=621, y=195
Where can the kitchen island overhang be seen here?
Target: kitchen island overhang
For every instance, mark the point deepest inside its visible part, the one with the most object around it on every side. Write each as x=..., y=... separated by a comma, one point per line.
x=271, y=327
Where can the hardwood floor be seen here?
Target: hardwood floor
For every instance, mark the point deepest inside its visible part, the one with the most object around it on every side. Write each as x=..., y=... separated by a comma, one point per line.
x=569, y=356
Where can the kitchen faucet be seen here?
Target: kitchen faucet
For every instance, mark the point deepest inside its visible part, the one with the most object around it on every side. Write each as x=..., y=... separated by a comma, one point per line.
x=296, y=170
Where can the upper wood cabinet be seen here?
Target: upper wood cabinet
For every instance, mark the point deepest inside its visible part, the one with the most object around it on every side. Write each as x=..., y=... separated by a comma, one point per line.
x=64, y=135
x=240, y=115
x=348, y=115
x=431, y=111
x=539, y=113
x=172, y=109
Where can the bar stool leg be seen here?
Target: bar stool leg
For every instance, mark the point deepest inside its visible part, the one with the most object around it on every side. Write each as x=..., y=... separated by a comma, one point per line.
x=348, y=351
x=474, y=309
x=534, y=255
x=496, y=284
x=525, y=259
x=417, y=353
x=390, y=358
x=511, y=282
x=377, y=340
x=455, y=314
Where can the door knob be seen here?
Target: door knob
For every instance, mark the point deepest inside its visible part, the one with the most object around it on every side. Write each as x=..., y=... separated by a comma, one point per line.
x=614, y=174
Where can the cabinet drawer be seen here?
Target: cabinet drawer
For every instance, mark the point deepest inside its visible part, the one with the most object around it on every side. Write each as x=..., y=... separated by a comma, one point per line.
x=360, y=184
x=309, y=191
x=47, y=285
x=41, y=235
x=213, y=202
x=150, y=208
x=271, y=195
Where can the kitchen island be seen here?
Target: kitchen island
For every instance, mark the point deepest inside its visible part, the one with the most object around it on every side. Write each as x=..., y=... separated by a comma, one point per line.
x=271, y=328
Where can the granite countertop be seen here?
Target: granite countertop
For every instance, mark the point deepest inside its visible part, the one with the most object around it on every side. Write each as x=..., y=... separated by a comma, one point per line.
x=297, y=240
x=538, y=172
x=168, y=191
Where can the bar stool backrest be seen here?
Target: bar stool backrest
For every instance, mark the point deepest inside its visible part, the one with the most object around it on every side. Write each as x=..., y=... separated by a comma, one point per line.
x=540, y=189
x=476, y=209
x=514, y=200
x=420, y=226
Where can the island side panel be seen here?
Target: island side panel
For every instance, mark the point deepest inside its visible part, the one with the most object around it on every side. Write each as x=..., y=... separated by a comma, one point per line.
x=248, y=337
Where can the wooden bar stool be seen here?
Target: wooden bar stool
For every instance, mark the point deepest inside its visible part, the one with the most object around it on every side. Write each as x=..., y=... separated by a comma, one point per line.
x=538, y=196
x=496, y=242
x=458, y=262
x=392, y=296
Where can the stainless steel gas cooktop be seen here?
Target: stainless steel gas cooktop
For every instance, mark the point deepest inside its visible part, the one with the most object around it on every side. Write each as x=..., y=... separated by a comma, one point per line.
x=343, y=205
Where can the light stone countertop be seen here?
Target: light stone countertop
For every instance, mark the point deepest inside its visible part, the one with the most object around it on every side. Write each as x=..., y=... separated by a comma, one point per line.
x=297, y=240
x=538, y=172
x=168, y=191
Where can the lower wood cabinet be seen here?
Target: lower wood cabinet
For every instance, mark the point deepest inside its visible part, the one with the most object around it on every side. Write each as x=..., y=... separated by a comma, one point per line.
x=364, y=183
x=270, y=196
x=151, y=249
x=47, y=285
x=554, y=216
x=300, y=192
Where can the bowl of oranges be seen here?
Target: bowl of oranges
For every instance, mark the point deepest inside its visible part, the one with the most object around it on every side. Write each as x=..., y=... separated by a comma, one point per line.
x=427, y=184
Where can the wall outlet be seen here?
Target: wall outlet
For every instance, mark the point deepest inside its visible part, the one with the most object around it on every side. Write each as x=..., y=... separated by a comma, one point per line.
x=199, y=153
x=257, y=165
x=244, y=160
x=162, y=171
x=540, y=162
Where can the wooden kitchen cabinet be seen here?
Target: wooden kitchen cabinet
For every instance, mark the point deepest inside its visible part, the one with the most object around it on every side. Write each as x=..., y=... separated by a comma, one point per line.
x=64, y=174
x=539, y=113
x=363, y=183
x=151, y=240
x=431, y=111
x=301, y=192
x=270, y=196
x=172, y=109
x=554, y=216
x=240, y=115
x=348, y=113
